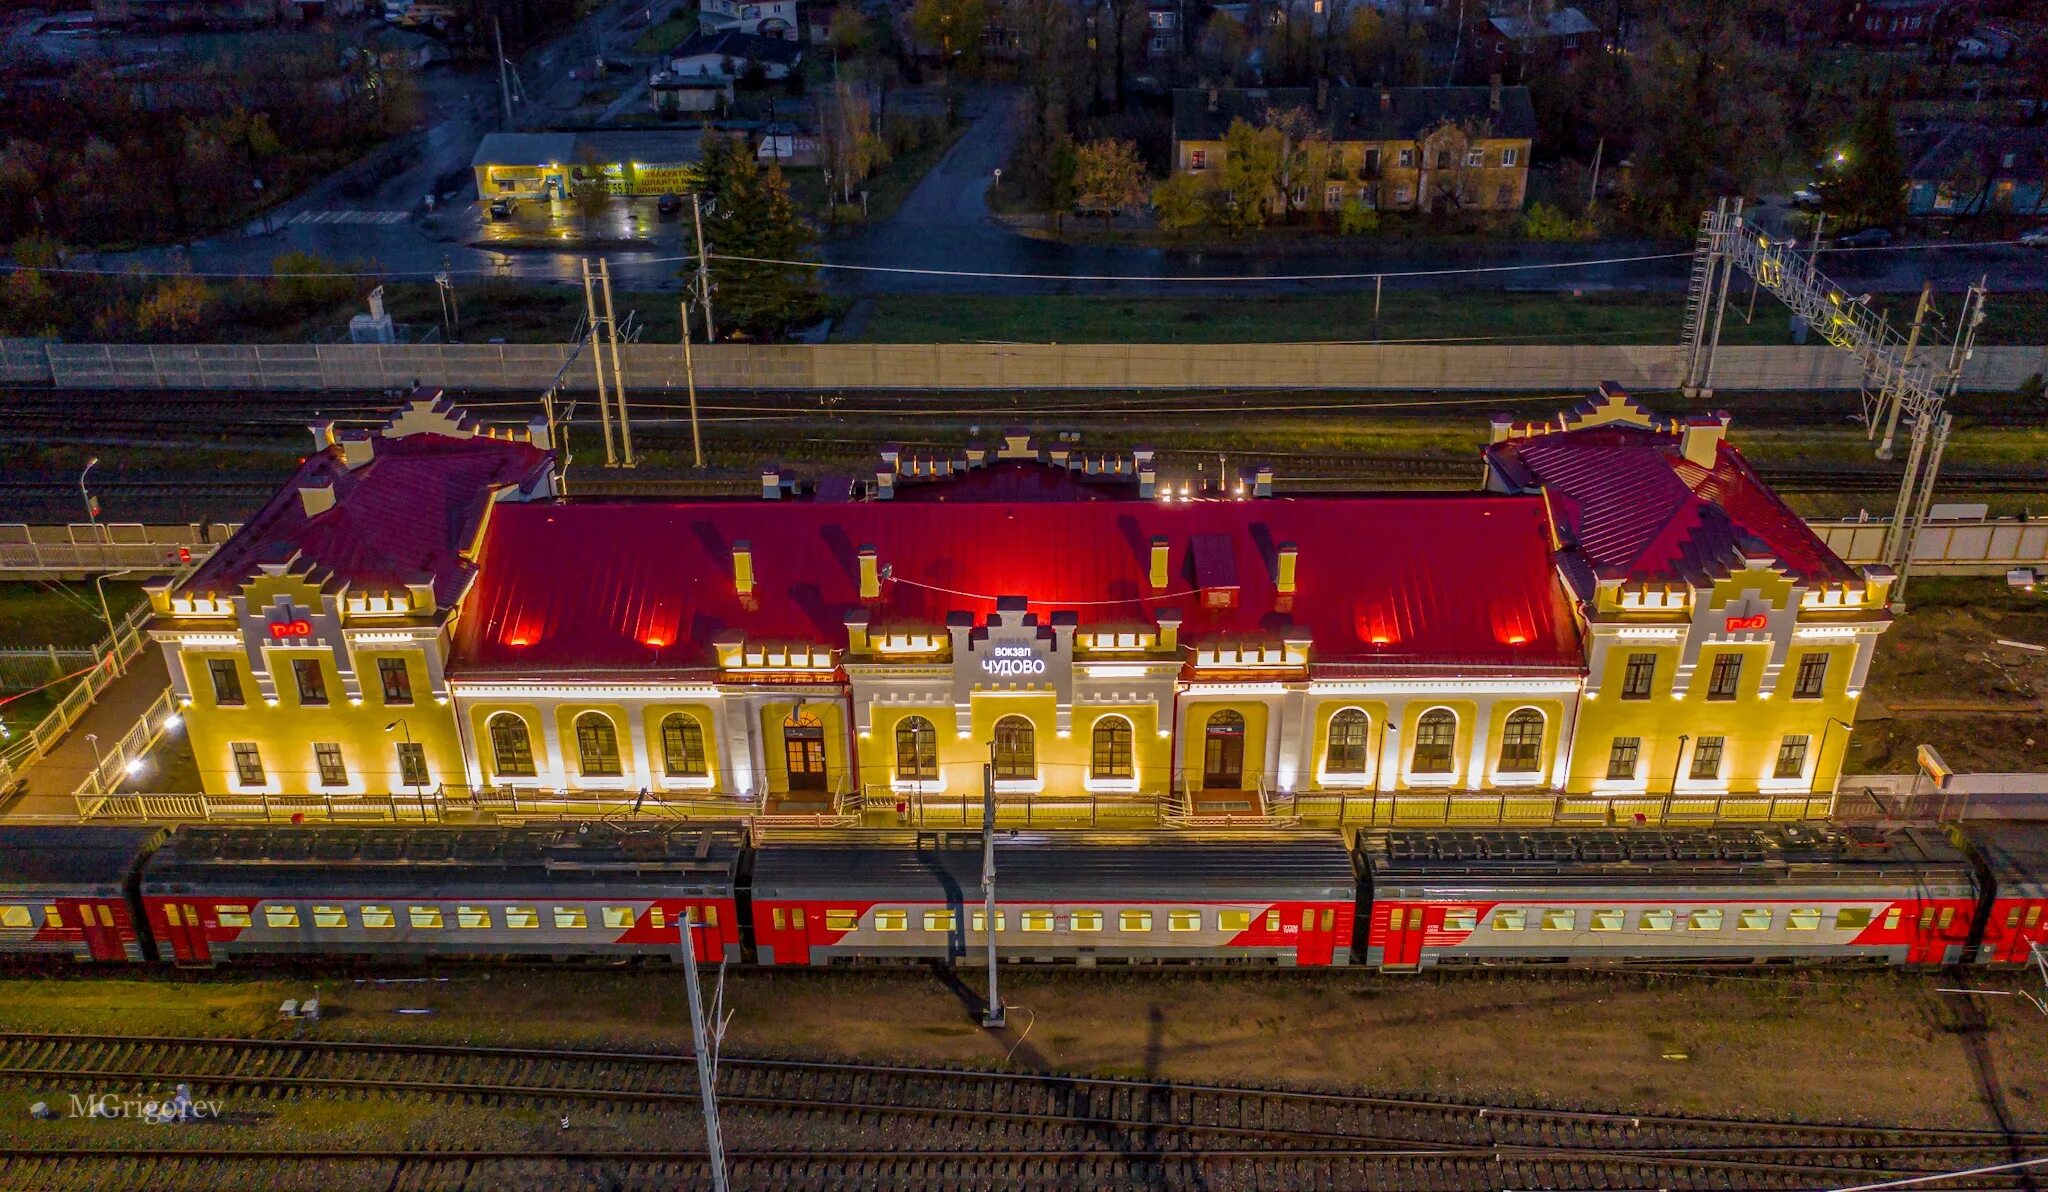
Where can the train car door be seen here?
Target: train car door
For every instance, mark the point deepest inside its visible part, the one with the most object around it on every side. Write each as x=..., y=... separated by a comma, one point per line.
x=1404, y=938
x=102, y=938
x=183, y=932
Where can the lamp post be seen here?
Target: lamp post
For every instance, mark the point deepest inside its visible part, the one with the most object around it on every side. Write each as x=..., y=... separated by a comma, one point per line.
x=98, y=784
x=107, y=615
x=405, y=766
x=1677, y=763
x=1820, y=756
x=993, y=1016
x=92, y=507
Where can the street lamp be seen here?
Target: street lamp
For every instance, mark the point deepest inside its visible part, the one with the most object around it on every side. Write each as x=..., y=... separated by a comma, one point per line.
x=1677, y=762
x=92, y=507
x=411, y=776
x=99, y=786
x=1820, y=756
x=107, y=615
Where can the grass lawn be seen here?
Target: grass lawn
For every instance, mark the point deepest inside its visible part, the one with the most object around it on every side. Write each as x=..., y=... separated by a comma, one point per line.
x=662, y=38
x=34, y=614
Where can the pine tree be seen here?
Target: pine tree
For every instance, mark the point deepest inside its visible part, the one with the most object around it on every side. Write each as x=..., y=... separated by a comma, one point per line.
x=753, y=216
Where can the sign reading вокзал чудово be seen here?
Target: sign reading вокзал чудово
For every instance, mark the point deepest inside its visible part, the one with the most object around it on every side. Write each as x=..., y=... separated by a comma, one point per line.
x=1012, y=661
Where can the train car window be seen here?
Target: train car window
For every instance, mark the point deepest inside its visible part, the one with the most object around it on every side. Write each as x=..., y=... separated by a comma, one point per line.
x=841, y=920
x=571, y=918
x=618, y=918
x=1329, y=920
x=170, y=915
x=1658, y=920
x=2033, y=916
x=1708, y=920
x=938, y=920
x=472, y=916
x=658, y=917
x=107, y=916
x=1272, y=920
x=1460, y=918
x=1753, y=919
x=1948, y=918
x=1086, y=921
x=428, y=917
x=1510, y=920
x=330, y=916
x=1854, y=918
x=1802, y=918
x=233, y=916
x=796, y=917
x=1191, y=920
x=710, y=915
x=1607, y=920
x=1308, y=920
x=379, y=916
x=522, y=917
x=52, y=918
x=1926, y=918
x=281, y=916
x=892, y=920
x=1560, y=920
x=1891, y=919
x=1234, y=920
x=2012, y=918
x=1037, y=920
x=979, y=920
x=780, y=918
x=1134, y=920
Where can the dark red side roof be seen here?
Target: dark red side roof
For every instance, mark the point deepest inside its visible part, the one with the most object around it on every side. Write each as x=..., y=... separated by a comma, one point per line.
x=1453, y=580
x=403, y=517
x=1639, y=510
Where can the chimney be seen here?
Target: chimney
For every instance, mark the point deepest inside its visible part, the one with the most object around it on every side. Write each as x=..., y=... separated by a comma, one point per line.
x=356, y=450
x=1212, y=99
x=1161, y=552
x=1148, y=481
x=743, y=567
x=885, y=484
x=1322, y=95
x=870, y=574
x=1262, y=481
x=1493, y=101
x=1169, y=628
x=771, y=484
x=318, y=498
x=1283, y=574
x=323, y=434
x=537, y=433
x=1500, y=426
x=1700, y=438
x=1386, y=100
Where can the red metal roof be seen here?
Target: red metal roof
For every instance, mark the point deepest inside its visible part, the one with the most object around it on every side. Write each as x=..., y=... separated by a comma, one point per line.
x=1450, y=579
x=1628, y=499
x=402, y=517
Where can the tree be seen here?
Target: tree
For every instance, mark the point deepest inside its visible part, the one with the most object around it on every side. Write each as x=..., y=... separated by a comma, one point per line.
x=952, y=28
x=1223, y=48
x=589, y=193
x=1250, y=173
x=754, y=218
x=1062, y=173
x=851, y=33
x=845, y=117
x=1183, y=202
x=177, y=306
x=1702, y=117
x=1108, y=174
x=1870, y=186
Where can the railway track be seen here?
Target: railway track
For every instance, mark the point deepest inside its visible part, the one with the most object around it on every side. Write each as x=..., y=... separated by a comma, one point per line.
x=1042, y=1130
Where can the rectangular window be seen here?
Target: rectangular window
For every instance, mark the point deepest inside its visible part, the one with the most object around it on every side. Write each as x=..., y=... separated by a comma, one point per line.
x=227, y=682
x=1926, y=918
x=892, y=920
x=1658, y=920
x=1706, y=758
x=1372, y=161
x=312, y=681
x=1947, y=920
x=397, y=680
x=1707, y=920
x=1726, y=677
x=472, y=916
x=938, y=920
x=1460, y=918
x=1400, y=196
x=1272, y=920
x=1509, y=920
x=280, y=916
x=425, y=917
x=1753, y=919
x=571, y=918
x=333, y=772
x=618, y=918
x=1638, y=680
x=1560, y=920
x=1791, y=757
x=522, y=917
x=1333, y=195
x=1198, y=159
x=1475, y=157
x=978, y=921
x=2033, y=916
x=412, y=763
x=1407, y=163
x=841, y=920
x=1621, y=757
x=1037, y=920
x=1802, y=918
x=1443, y=159
x=1608, y=920
x=1233, y=920
x=1086, y=921
x=51, y=917
x=1813, y=677
x=1891, y=919
x=330, y=916
x=1510, y=157
x=248, y=764
x=1134, y=921
x=229, y=916
x=379, y=916
x=657, y=918
x=1183, y=920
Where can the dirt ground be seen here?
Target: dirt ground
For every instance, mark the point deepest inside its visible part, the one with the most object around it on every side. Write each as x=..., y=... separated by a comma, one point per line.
x=1813, y=1044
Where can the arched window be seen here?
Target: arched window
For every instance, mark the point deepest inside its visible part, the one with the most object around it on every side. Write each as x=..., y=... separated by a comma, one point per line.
x=917, y=749
x=682, y=747
x=1521, y=742
x=511, y=746
x=1223, y=751
x=1435, y=736
x=597, y=746
x=1110, y=754
x=1016, y=748
x=1346, y=752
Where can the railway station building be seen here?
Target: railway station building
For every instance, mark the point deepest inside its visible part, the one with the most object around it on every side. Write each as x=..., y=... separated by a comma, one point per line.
x=1625, y=612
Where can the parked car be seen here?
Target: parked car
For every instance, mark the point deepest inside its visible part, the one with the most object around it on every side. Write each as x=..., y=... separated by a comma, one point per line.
x=501, y=209
x=1867, y=238
x=1806, y=196
x=668, y=204
x=2038, y=238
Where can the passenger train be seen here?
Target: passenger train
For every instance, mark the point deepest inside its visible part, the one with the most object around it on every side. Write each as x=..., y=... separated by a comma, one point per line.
x=1396, y=901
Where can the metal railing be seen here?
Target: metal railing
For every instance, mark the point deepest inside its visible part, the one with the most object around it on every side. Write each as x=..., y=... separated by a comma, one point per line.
x=111, y=657
x=108, y=546
x=1535, y=808
x=882, y=805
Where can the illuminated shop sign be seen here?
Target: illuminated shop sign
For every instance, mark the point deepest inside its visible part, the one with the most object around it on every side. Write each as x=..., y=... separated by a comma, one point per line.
x=284, y=629
x=1738, y=624
x=1011, y=661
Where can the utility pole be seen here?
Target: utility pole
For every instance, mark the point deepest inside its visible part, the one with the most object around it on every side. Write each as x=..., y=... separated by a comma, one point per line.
x=703, y=268
x=690, y=379
x=993, y=1016
x=611, y=330
x=1593, y=190
x=705, y=1043
x=590, y=316
x=504, y=86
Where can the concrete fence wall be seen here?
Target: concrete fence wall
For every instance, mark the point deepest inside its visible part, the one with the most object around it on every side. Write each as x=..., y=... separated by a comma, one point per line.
x=956, y=366
x=1988, y=546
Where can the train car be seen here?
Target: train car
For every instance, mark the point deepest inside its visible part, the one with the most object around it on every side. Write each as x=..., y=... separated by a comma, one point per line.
x=1074, y=897
x=69, y=891
x=590, y=890
x=2012, y=863
x=1793, y=893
